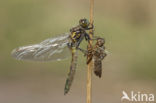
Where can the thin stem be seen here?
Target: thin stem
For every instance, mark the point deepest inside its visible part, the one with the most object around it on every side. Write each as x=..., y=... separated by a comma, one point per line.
x=91, y=11
x=89, y=72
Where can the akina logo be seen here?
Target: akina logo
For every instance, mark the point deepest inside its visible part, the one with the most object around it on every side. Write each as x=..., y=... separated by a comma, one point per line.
x=137, y=97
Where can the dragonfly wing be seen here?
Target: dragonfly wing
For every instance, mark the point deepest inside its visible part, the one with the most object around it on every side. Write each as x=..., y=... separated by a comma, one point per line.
x=99, y=55
x=71, y=72
x=97, y=67
x=49, y=50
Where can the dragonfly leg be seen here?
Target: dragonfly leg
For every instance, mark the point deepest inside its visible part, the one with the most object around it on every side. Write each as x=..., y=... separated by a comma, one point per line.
x=79, y=41
x=86, y=53
x=83, y=51
x=87, y=37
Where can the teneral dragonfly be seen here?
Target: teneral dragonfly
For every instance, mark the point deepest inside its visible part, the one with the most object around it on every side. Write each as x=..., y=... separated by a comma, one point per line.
x=57, y=48
x=96, y=53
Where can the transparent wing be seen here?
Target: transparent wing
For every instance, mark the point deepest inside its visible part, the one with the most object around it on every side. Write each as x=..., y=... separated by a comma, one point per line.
x=49, y=50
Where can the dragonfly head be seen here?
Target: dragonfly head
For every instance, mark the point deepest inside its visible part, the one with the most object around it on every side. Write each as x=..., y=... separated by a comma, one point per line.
x=100, y=42
x=84, y=23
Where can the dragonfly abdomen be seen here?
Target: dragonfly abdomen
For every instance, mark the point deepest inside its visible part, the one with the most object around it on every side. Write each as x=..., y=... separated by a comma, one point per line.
x=72, y=70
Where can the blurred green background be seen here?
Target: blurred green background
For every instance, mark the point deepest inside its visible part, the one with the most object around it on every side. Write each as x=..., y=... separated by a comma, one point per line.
x=129, y=27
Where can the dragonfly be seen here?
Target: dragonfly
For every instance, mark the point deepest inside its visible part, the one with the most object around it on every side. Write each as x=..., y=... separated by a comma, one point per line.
x=96, y=53
x=57, y=48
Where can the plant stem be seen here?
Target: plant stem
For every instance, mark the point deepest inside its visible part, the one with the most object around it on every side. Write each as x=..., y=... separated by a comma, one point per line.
x=89, y=70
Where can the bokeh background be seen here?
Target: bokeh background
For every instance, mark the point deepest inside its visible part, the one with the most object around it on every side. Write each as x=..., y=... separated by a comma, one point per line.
x=129, y=27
